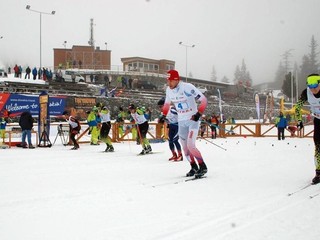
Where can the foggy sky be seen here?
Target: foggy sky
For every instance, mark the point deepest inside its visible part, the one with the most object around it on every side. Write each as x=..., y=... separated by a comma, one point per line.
x=224, y=32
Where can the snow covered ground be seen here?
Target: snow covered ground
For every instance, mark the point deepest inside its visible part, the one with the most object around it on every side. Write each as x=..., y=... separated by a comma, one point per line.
x=11, y=78
x=54, y=193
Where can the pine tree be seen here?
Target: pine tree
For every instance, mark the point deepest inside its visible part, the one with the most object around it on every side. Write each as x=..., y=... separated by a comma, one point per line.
x=213, y=75
x=287, y=87
x=278, y=80
x=225, y=80
x=237, y=75
x=313, y=56
x=242, y=76
x=309, y=64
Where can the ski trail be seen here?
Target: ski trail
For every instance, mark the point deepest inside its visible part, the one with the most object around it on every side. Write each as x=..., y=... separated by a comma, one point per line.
x=235, y=221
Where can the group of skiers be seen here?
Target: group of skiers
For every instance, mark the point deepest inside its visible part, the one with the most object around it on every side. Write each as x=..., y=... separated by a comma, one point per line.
x=179, y=108
x=183, y=114
x=99, y=123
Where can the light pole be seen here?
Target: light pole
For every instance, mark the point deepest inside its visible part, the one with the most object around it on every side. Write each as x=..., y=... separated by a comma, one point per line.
x=106, y=45
x=65, y=44
x=40, y=13
x=186, y=46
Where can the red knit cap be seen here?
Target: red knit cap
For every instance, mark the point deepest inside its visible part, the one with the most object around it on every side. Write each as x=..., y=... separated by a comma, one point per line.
x=173, y=75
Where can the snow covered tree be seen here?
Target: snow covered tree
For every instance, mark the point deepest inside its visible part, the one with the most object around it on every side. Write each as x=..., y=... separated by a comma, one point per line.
x=280, y=74
x=314, y=65
x=225, y=79
x=287, y=87
x=242, y=76
x=309, y=64
x=213, y=77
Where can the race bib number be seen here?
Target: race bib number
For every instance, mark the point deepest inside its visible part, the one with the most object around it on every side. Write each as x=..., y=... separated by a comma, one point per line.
x=182, y=106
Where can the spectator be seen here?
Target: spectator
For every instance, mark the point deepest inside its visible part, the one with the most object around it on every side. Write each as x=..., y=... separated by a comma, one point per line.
x=20, y=72
x=26, y=124
x=130, y=83
x=281, y=123
x=34, y=73
x=16, y=71
x=28, y=71
x=39, y=73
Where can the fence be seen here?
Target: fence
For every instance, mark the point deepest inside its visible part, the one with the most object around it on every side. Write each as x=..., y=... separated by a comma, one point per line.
x=159, y=132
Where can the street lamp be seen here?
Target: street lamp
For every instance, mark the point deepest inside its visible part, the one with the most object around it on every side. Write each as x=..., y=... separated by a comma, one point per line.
x=40, y=13
x=186, y=46
x=65, y=44
x=106, y=45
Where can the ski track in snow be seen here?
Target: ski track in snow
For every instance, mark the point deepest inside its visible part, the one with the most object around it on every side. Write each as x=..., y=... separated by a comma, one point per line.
x=148, y=184
x=235, y=221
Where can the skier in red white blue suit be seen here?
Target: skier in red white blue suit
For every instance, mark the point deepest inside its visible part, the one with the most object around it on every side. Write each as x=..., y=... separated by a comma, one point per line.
x=185, y=96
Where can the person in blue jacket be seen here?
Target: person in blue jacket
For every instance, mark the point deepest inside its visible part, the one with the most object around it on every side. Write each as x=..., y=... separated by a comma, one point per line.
x=281, y=123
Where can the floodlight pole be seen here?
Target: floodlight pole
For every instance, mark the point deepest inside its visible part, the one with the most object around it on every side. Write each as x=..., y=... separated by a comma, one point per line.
x=186, y=46
x=40, y=13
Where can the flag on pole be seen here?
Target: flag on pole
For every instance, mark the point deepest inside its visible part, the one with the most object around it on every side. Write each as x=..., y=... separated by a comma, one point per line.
x=220, y=106
x=257, y=100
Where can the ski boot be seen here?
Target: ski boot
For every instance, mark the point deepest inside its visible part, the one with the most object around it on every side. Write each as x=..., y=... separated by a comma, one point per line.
x=174, y=157
x=148, y=149
x=193, y=170
x=202, y=171
x=143, y=152
x=111, y=149
x=316, y=179
x=107, y=149
x=178, y=158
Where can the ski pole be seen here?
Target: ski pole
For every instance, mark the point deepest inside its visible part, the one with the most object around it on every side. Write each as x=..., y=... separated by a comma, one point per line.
x=214, y=144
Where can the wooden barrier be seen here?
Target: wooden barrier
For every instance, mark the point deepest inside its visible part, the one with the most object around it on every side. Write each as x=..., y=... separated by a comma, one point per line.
x=159, y=131
x=9, y=143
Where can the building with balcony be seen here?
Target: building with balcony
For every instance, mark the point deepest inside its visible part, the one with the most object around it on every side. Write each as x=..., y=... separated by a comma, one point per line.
x=140, y=64
x=82, y=57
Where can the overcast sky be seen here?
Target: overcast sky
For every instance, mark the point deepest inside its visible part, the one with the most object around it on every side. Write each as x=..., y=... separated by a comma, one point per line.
x=224, y=32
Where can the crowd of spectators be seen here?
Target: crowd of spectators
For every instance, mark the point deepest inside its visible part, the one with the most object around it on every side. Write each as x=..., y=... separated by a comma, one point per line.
x=28, y=73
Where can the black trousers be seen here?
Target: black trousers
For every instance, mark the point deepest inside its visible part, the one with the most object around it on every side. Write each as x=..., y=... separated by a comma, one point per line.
x=143, y=129
x=280, y=133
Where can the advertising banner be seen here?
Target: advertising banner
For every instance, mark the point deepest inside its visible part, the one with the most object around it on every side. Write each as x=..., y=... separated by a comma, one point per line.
x=18, y=103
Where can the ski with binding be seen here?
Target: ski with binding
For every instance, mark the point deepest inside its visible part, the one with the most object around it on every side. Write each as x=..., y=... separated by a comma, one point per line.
x=177, y=182
x=194, y=178
x=300, y=189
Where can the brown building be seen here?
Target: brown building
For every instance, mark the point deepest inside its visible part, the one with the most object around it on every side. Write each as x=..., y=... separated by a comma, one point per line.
x=84, y=57
x=139, y=64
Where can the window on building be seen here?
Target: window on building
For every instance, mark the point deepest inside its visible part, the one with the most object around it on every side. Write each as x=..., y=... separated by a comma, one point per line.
x=146, y=66
x=169, y=67
x=135, y=65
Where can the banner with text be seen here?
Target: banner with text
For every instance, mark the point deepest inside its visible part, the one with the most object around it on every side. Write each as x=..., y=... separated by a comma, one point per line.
x=18, y=103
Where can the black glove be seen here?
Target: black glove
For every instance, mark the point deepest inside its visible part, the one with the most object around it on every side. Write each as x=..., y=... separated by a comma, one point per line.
x=299, y=125
x=162, y=119
x=196, y=117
